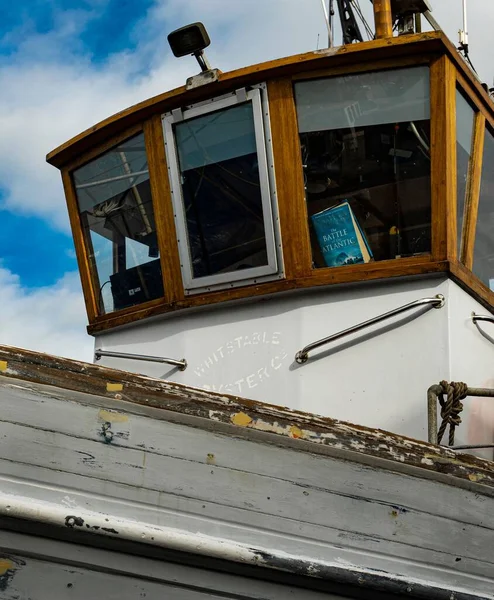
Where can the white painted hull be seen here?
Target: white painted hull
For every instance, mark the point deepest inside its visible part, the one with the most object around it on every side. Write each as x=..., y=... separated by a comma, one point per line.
x=377, y=378
x=199, y=486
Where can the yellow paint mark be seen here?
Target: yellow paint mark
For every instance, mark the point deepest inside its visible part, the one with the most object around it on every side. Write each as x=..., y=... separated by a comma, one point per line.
x=296, y=432
x=112, y=417
x=114, y=387
x=211, y=459
x=241, y=419
x=6, y=565
x=3, y=366
x=476, y=477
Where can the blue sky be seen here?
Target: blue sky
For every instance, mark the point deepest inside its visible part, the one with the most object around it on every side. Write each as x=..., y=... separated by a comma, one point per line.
x=67, y=64
x=111, y=30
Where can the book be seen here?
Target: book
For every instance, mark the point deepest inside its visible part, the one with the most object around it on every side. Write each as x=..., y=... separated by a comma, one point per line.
x=340, y=237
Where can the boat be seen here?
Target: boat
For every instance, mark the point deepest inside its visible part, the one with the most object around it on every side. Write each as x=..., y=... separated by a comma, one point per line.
x=288, y=273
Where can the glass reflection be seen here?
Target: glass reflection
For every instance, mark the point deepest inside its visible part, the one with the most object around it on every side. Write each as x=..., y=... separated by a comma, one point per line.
x=483, y=259
x=366, y=155
x=465, y=116
x=114, y=198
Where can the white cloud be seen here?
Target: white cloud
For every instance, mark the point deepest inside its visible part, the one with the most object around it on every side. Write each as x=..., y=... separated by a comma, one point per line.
x=50, y=319
x=50, y=92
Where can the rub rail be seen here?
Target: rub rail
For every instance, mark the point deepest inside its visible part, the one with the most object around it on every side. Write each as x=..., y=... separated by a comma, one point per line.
x=181, y=364
x=303, y=355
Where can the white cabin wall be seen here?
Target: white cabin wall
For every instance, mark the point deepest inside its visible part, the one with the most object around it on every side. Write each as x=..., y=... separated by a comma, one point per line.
x=472, y=361
x=249, y=349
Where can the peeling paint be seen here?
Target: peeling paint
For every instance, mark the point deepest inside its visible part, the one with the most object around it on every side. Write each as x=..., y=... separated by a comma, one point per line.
x=296, y=432
x=475, y=477
x=241, y=419
x=114, y=387
x=112, y=416
x=6, y=565
x=7, y=572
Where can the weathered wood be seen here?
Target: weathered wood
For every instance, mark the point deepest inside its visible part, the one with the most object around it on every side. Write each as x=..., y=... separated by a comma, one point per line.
x=242, y=414
x=281, y=499
x=45, y=569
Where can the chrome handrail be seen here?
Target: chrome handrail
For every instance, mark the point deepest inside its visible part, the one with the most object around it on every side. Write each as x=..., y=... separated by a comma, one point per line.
x=488, y=318
x=181, y=364
x=303, y=355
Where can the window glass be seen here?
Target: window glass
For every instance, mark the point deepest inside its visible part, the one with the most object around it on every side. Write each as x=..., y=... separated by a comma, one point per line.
x=114, y=198
x=365, y=142
x=483, y=258
x=465, y=116
x=224, y=194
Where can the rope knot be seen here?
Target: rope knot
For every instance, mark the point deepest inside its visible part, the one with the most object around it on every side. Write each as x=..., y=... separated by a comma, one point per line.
x=451, y=407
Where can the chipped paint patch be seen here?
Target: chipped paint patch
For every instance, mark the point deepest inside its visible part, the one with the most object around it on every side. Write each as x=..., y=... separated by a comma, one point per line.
x=111, y=416
x=329, y=51
x=241, y=419
x=6, y=565
x=114, y=387
x=296, y=432
x=475, y=477
x=3, y=366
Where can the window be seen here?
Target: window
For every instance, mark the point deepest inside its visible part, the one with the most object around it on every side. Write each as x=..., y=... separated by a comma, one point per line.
x=465, y=116
x=366, y=158
x=483, y=257
x=114, y=198
x=221, y=191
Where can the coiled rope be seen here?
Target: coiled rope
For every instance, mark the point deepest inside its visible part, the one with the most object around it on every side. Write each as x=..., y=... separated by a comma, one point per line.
x=451, y=406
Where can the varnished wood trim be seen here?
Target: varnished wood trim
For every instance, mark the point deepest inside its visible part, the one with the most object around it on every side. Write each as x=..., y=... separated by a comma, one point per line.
x=478, y=100
x=473, y=192
x=443, y=158
x=468, y=92
x=378, y=65
x=319, y=278
x=290, y=191
x=472, y=285
x=104, y=147
x=417, y=44
x=163, y=210
x=88, y=287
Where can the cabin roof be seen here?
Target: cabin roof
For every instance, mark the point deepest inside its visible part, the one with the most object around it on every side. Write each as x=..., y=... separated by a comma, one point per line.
x=86, y=383
x=417, y=44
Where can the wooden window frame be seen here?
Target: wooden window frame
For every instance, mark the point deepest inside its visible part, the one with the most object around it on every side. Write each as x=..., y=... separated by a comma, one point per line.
x=445, y=78
x=165, y=228
x=461, y=269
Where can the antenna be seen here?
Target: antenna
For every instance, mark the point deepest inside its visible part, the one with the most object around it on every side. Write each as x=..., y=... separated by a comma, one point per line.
x=328, y=24
x=464, y=32
x=463, y=47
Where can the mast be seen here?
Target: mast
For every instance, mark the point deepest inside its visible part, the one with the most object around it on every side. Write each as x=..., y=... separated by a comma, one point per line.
x=383, y=18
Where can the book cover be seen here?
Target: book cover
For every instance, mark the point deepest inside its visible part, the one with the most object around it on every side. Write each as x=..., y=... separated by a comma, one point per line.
x=340, y=237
